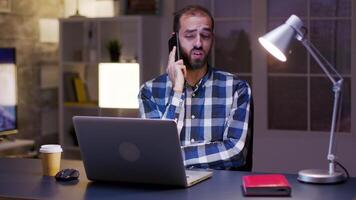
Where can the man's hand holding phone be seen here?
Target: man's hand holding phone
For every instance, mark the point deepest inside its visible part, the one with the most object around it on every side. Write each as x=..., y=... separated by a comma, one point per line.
x=176, y=71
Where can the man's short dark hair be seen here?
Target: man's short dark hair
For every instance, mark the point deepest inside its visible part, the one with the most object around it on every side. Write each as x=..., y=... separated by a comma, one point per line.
x=191, y=10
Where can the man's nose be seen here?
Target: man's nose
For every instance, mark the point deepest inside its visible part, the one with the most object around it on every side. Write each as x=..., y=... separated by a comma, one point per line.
x=197, y=42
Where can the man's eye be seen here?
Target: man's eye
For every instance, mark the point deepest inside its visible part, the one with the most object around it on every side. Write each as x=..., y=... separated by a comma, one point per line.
x=205, y=36
x=189, y=36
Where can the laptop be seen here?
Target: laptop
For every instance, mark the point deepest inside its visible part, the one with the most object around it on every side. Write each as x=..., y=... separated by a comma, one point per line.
x=133, y=150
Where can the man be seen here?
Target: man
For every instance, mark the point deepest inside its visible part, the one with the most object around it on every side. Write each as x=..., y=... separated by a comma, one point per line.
x=211, y=107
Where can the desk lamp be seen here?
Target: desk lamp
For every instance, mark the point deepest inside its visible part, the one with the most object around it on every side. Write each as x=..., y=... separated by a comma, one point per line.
x=276, y=42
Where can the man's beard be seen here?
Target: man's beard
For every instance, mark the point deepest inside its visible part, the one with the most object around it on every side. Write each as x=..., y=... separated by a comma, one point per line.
x=194, y=64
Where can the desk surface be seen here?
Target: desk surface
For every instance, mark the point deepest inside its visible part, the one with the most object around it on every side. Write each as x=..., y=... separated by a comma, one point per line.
x=21, y=178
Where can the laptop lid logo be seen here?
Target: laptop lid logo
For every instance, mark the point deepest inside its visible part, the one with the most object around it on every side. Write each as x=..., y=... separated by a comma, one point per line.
x=129, y=151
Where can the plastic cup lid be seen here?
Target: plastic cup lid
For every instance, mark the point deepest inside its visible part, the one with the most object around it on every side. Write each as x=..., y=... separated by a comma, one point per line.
x=51, y=148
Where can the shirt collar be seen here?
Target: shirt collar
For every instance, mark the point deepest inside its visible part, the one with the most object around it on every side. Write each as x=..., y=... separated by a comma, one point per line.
x=202, y=80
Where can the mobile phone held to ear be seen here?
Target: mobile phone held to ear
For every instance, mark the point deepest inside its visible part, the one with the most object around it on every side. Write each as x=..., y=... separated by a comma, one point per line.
x=174, y=41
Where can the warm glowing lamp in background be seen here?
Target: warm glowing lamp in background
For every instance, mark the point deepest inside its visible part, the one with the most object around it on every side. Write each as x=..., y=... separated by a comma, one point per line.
x=91, y=8
x=276, y=42
x=119, y=85
x=49, y=30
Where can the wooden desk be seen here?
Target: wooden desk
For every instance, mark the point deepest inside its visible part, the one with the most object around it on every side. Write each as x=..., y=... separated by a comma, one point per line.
x=22, y=178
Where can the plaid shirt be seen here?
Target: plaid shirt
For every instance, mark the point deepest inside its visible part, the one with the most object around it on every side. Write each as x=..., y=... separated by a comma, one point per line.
x=212, y=117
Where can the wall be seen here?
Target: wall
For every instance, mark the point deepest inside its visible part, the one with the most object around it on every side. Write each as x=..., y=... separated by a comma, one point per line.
x=37, y=105
x=291, y=152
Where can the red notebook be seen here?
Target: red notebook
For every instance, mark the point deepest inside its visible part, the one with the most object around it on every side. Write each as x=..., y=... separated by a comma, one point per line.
x=266, y=185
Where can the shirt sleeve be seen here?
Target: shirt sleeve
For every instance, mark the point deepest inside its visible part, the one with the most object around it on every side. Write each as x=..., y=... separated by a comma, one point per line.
x=149, y=108
x=227, y=151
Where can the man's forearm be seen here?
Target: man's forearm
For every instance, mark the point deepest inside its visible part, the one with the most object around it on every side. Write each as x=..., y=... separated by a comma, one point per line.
x=212, y=152
x=150, y=109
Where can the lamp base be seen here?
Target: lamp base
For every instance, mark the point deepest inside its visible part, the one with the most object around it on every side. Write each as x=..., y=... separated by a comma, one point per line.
x=320, y=176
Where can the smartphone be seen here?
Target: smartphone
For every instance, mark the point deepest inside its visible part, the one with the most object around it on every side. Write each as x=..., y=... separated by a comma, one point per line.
x=174, y=41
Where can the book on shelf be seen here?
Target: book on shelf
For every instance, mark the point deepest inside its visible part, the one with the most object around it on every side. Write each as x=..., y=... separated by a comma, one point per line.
x=68, y=86
x=74, y=89
x=80, y=91
x=266, y=185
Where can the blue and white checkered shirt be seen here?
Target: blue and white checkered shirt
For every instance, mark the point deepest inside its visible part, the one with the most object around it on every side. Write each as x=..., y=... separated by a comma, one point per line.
x=212, y=117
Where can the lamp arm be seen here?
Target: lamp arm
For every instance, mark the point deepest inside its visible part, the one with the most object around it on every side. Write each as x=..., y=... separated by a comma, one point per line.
x=316, y=54
x=331, y=157
x=337, y=87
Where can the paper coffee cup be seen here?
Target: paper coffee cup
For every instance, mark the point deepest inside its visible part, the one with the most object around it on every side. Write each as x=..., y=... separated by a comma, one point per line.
x=51, y=159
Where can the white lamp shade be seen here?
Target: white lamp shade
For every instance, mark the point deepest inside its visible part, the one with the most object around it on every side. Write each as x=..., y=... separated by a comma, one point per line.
x=277, y=41
x=119, y=85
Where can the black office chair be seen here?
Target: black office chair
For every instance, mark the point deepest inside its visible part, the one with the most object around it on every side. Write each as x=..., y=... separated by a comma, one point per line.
x=247, y=151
